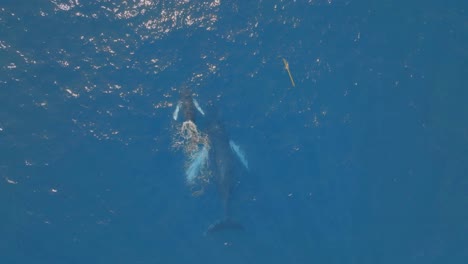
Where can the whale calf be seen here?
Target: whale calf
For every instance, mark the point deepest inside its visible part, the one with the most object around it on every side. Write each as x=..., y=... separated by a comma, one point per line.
x=187, y=104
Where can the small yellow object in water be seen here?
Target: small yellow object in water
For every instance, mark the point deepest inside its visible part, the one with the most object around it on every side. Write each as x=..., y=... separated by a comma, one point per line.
x=286, y=67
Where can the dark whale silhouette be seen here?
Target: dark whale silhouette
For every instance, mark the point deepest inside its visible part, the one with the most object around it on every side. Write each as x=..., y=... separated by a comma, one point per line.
x=226, y=168
x=225, y=159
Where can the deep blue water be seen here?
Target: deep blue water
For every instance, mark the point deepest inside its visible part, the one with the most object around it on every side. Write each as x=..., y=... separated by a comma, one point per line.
x=365, y=160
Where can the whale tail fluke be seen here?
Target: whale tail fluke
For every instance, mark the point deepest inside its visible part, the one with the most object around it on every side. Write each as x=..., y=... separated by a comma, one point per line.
x=224, y=225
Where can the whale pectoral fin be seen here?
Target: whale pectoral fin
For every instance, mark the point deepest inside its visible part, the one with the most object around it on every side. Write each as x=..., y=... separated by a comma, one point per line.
x=175, y=115
x=239, y=153
x=195, y=102
x=224, y=225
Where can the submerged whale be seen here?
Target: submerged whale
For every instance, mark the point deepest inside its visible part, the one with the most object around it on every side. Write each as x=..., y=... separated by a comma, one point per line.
x=227, y=161
x=210, y=154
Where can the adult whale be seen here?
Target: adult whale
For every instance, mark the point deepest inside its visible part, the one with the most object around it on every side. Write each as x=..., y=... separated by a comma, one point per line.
x=210, y=147
x=228, y=163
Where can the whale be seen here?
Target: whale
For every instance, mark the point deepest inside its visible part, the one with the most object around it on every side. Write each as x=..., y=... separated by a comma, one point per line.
x=209, y=148
x=227, y=164
x=188, y=105
x=193, y=141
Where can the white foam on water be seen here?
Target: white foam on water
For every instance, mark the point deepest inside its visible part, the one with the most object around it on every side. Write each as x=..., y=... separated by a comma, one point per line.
x=197, y=164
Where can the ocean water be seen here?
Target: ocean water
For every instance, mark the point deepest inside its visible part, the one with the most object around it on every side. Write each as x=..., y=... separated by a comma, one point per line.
x=363, y=160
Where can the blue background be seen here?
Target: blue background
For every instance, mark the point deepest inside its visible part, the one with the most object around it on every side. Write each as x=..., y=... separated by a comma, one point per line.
x=364, y=161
